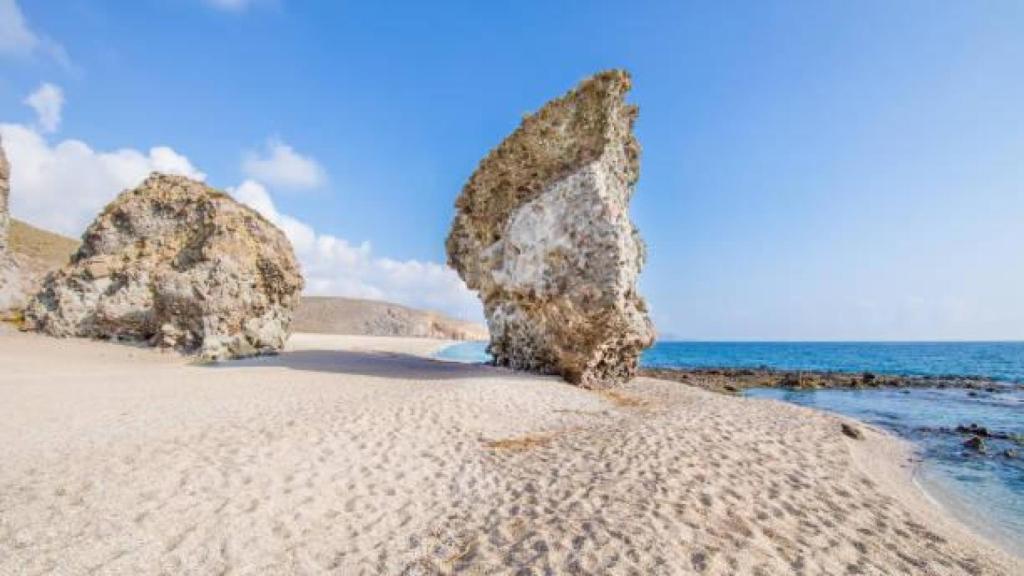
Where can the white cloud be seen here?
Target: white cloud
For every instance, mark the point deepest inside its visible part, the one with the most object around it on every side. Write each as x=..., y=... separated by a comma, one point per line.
x=334, y=266
x=281, y=166
x=20, y=41
x=47, y=101
x=62, y=187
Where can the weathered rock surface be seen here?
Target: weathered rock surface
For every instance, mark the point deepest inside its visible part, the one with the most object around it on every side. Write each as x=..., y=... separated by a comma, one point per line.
x=178, y=264
x=542, y=232
x=5, y=190
x=11, y=286
x=35, y=253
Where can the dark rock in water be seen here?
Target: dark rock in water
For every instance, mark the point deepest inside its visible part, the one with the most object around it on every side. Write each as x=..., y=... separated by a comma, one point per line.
x=800, y=380
x=744, y=378
x=852, y=431
x=976, y=443
x=974, y=429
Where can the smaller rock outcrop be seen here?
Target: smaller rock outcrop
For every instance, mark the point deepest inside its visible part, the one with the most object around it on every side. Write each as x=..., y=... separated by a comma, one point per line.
x=976, y=443
x=851, y=431
x=542, y=232
x=179, y=265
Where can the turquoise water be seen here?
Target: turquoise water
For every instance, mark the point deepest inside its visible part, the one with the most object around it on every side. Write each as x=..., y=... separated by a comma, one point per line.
x=990, y=484
x=1002, y=361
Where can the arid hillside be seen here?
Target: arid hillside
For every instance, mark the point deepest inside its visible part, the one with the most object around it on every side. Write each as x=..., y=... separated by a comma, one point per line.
x=39, y=249
x=330, y=315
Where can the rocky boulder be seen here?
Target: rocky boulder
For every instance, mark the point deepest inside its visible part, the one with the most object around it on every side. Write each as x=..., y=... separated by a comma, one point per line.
x=542, y=232
x=180, y=265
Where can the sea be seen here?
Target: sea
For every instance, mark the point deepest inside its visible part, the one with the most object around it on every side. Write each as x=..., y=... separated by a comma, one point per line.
x=986, y=490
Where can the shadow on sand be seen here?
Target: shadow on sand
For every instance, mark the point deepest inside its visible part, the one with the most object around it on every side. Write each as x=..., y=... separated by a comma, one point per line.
x=381, y=364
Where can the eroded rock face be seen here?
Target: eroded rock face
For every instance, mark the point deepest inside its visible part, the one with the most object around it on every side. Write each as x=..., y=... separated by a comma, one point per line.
x=5, y=190
x=11, y=285
x=542, y=232
x=178, y=264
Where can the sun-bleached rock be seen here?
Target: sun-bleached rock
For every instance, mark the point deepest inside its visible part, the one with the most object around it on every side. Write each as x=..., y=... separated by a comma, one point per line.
x=5, y=191
x=542, y=232
x=180, y=265
x=12, y=292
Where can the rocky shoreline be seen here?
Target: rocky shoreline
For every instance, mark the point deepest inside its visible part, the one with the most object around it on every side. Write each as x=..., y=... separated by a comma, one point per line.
x=736, y=380
x=975, y=440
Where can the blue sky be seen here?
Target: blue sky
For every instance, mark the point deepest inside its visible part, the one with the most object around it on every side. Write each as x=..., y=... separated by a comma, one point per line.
x=811, y=170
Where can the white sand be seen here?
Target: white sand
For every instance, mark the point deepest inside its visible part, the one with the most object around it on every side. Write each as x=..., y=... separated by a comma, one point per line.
x=116, y=460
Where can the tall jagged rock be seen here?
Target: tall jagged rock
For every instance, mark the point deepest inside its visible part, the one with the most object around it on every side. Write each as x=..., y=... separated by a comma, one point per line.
x=542, y=232
x=179, y=264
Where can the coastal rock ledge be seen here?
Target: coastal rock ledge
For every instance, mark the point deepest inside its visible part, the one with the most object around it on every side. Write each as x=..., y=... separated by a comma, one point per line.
x=180, y=265
x=542, y=232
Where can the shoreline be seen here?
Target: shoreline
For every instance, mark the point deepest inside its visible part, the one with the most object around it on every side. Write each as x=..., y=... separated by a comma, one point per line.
x=361, y=454
x=736, y=380
x=900, y=457
x=733, y=379
x=892, y=456
x=954, y=505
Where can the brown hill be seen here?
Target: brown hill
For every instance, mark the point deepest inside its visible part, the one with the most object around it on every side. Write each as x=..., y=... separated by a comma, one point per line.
x=331, y=315
x=40, y=247
x=35, y=252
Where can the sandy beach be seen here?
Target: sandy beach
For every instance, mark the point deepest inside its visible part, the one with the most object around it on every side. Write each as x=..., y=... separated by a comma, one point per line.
x=358, y=455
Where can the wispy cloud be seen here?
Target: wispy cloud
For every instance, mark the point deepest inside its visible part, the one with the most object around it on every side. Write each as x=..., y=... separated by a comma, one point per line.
x=18, y=40
x=279, y=165
x=48, y=102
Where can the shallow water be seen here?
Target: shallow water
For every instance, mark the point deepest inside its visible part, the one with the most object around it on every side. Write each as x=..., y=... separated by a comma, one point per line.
x=991, y=485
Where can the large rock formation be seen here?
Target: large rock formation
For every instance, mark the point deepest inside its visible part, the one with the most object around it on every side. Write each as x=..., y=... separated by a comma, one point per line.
x=542, y=232
x=180, y=265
